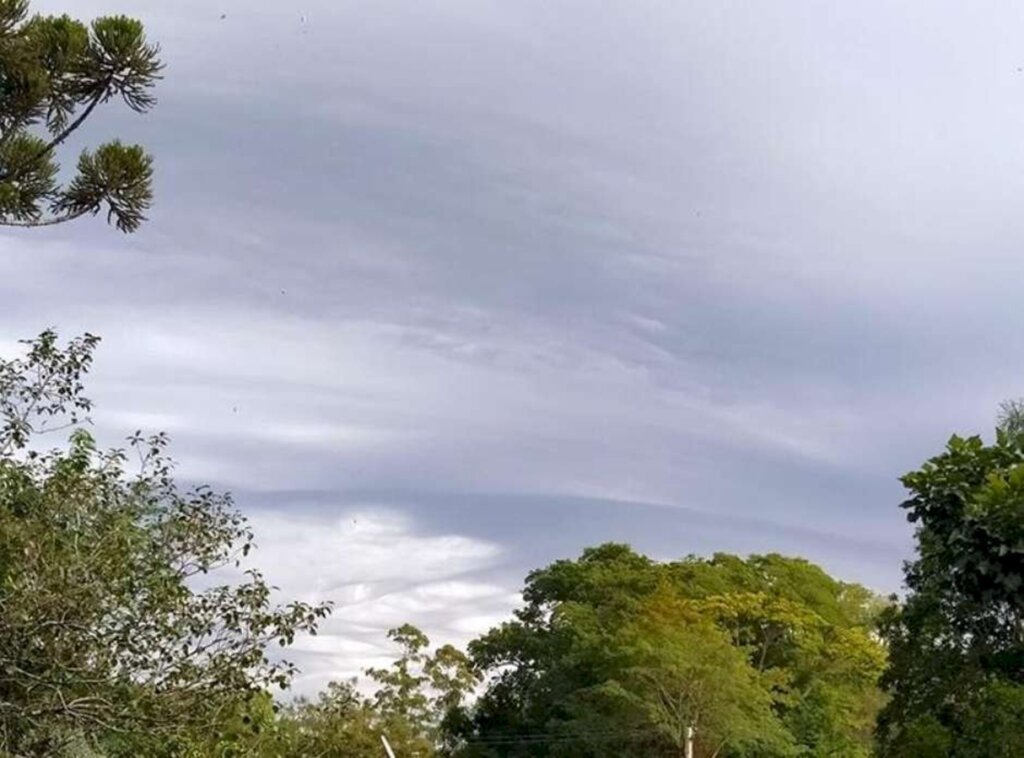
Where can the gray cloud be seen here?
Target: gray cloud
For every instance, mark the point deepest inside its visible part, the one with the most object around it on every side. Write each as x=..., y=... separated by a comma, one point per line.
x=536, y=275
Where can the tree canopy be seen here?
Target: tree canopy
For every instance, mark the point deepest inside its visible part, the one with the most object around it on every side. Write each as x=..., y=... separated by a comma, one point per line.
x=956, y=644
x=55, y=72
x=416, y=701
x=108, y=641
x=616, y=654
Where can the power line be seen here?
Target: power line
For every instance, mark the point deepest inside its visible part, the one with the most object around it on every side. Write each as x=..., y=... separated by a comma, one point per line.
x=537, y=738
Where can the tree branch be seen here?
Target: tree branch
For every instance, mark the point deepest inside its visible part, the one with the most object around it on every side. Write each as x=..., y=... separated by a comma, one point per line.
x=47, y=222
x=60, y=138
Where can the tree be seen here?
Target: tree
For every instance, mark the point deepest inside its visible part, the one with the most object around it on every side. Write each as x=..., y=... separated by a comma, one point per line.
x=995, y=726
x=1011, y=416
x=414, y=696
x=400, y=692
x=339, y=722
x=43, y=391
x=420, y=697
x=957, y=643
x=684, y=672
x=613, y=654
x=54, y=73
x=107, y=641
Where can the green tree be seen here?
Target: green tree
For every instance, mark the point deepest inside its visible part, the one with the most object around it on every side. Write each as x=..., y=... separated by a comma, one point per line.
x=995, y=724
x=684, y=672
x=414, y=697
x=54, y=72
x=339, y=722
x=420, y=692
x=107, y=637
x=400, y=692
x=956, y=644
x=617, y=627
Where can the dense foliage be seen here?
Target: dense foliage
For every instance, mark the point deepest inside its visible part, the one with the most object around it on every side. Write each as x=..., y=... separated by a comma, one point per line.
x=615, y=654
x=108, y=640
x=956, y=670
x=54, y=73
x=415, y=702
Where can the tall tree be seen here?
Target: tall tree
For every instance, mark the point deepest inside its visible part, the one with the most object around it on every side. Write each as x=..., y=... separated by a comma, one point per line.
x=420, y=696
x=54, y=73
x=414, y=696
x=957, y=643
x=684, y=679
x=106, y=639
x=614, y=653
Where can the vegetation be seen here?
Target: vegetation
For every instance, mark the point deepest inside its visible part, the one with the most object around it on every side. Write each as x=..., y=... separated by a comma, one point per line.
x=615, y=654
x=416, y=701
x=120, y=635
x=117, y=638
x=54, y=73
x=956, y=645
x=107, y=637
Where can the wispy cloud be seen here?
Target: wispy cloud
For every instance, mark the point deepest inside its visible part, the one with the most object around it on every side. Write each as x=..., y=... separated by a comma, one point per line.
x=380, y=569
x=695, y=276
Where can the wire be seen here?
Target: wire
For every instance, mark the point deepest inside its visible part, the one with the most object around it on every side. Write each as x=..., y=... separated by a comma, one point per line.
x=539, y=738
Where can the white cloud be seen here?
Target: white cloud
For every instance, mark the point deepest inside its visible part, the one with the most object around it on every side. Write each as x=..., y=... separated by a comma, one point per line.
x=381, y=571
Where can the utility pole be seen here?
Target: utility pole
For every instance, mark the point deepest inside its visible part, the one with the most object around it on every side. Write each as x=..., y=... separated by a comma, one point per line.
x=689, y=742
x=387, y=747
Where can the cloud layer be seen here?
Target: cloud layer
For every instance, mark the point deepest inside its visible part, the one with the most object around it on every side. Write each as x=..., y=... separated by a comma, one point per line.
x=500, y=280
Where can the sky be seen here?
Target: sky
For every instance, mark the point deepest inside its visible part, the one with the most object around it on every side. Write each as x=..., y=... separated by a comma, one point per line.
x=446, y=290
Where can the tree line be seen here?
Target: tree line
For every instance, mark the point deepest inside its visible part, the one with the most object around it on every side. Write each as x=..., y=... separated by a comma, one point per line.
x=121, y=635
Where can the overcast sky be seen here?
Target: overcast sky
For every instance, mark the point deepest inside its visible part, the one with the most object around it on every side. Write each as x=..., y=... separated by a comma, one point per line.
x=443, y=291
